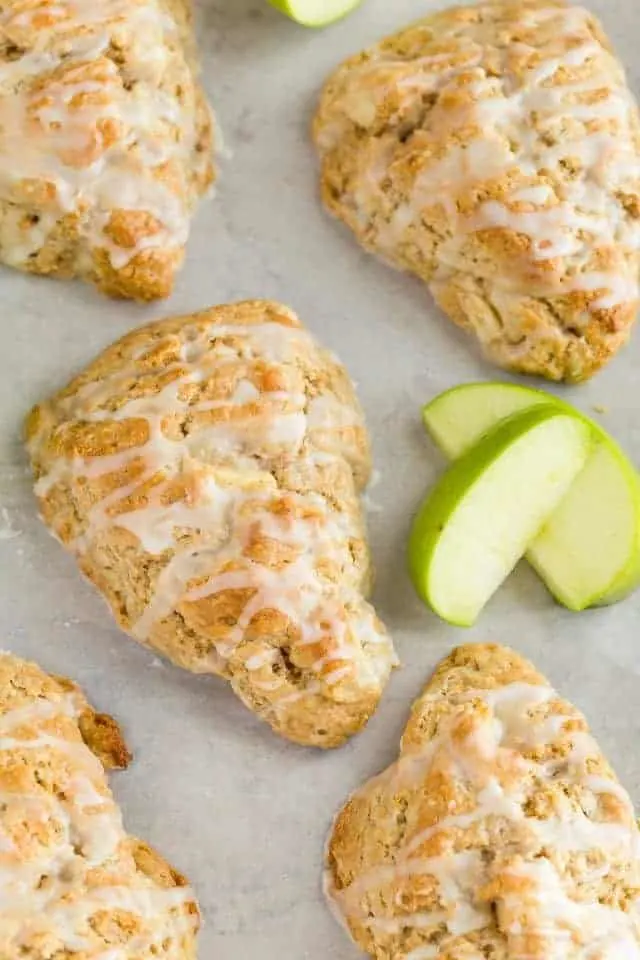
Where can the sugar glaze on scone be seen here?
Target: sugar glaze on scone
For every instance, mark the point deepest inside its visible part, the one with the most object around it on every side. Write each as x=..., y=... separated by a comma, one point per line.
x=494, y=150
x=205, y=470
x=74, y=884
x=500, y=832
x=105, y=140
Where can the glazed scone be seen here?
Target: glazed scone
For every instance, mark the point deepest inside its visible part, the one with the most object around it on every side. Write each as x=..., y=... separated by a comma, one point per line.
x=500, y=832
x=205, y=470
x=105, y=140
x=494, y=150
x=74, y=884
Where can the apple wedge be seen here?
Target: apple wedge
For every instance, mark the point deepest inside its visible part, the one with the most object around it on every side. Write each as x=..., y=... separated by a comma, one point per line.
x=488, y=506
x=588, y=553
x=458, y=418
x=315, y=13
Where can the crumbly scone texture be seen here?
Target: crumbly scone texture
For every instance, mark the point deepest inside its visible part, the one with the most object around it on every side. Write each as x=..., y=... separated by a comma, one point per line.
x=206, y=472
x=494, y=151
x=501, y=832
x=75, y=885
x=105, y=140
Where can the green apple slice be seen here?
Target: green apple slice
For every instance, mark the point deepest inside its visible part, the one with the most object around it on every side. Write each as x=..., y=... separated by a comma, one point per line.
x=588, y=553
x=459, y=417
x=315, y=13
x=478, y=520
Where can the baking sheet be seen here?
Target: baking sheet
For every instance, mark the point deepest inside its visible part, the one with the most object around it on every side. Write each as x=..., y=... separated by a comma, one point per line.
x=241, y=812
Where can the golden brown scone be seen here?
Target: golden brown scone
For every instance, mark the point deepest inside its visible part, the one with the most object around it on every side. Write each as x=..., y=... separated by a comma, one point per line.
x=105, y=140
x=205, y=470
x=501, y=833
x=494, y=150
x=75, y=886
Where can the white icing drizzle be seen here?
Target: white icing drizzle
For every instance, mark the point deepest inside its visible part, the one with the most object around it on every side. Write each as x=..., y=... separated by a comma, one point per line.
x=492, y=764
x=64, y=856
x=531, y=127
x=92, y=139
x=204, y=539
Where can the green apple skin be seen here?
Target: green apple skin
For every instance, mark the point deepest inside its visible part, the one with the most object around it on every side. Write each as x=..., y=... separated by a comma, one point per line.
x=315, y=13
x=458, y=418
x=548, y=476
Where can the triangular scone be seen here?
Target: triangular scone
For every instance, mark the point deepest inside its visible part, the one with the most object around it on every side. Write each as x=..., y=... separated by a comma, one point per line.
x=105, y=140
x=74, y=883
x=206, y=472
x=494, y=150
x=501, y=832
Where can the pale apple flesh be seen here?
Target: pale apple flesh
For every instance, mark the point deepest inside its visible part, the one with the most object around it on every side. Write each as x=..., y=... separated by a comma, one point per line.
x=588, y=553
x=315, y=13
x=476, y=523
x=459, y=417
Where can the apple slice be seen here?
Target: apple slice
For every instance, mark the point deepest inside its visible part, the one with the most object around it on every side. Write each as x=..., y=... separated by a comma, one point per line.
x=478, y=520
x=459, y=417
x=588, y=553
x=315, y=13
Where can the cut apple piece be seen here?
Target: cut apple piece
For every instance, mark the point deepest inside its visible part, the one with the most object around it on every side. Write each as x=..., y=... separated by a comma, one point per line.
x=480, y=517
x=588, y=553
x=315, y=13
x=459, y=417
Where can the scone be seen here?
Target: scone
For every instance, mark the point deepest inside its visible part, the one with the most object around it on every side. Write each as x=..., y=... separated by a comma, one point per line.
x=501, y=831
x=74, y=884
x=494, y=150
x=205, y=470
x=105, y=140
